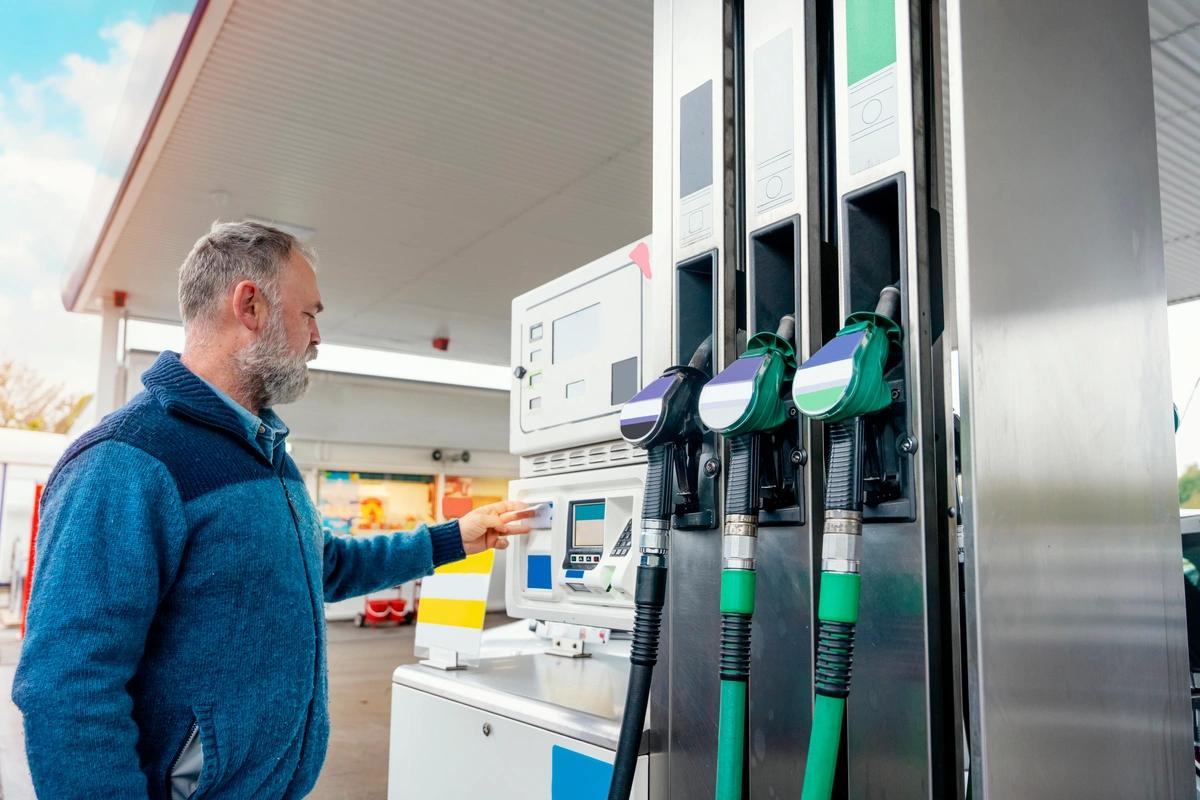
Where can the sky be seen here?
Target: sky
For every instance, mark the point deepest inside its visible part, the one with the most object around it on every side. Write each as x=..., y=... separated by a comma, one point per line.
x=66, y=68
x=77, y=81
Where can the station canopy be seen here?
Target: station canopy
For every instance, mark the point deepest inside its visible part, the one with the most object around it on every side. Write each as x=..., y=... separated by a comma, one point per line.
x=444, y=156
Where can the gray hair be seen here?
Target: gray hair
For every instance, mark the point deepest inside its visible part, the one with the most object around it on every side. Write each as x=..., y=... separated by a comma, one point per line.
x=229, y=253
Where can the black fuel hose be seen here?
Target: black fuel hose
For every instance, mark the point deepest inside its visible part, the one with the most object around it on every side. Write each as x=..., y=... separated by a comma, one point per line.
x=649, y=598
x=650, y=595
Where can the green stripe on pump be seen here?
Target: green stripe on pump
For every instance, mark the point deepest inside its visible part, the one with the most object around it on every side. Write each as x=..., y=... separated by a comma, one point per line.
x=870, y=37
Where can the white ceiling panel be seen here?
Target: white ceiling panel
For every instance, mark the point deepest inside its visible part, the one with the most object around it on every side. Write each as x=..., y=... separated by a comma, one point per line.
x=1175, y=36
x=448, y=154
x=451, y=154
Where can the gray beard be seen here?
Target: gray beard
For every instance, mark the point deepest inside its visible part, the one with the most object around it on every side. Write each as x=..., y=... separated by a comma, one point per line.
x=269, y=375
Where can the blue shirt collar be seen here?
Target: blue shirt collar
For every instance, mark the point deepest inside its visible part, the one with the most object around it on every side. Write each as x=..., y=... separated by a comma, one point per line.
x=182, y=391
x=267, y=430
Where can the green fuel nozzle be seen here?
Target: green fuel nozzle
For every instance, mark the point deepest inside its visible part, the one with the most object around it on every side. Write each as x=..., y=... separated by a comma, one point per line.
x=749, y=395
x=747, y=400
x=845, y=378
x=843, y=381
x=663, y=420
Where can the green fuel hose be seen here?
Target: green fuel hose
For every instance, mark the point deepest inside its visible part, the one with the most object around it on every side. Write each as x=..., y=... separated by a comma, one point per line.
x=837, y=615
x=841, y=382
x=738, y=579
x=743, y=402
x=737, y=613
x=837, y=609
x=731, y=740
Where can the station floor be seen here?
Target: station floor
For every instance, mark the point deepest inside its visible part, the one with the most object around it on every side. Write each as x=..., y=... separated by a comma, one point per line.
x=361, y=661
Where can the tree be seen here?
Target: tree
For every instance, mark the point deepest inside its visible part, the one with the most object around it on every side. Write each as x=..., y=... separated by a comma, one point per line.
x=30, y=402
x=1189, y=487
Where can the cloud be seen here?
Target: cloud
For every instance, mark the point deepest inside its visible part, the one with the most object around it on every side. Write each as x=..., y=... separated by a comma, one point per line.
x=65, y=140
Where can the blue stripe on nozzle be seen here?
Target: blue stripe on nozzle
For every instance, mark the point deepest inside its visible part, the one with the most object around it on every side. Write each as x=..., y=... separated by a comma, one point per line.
x=838, y=348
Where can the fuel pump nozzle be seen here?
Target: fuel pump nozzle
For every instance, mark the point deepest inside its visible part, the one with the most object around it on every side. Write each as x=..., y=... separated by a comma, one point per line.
x=662, y=419
x=747, y=400
x=842, y=382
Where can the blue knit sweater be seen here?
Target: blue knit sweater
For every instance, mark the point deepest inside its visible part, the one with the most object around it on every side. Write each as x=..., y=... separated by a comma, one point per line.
x=178, y=592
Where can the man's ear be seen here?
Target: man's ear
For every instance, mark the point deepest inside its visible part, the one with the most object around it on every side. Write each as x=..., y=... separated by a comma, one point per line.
x=249, y=305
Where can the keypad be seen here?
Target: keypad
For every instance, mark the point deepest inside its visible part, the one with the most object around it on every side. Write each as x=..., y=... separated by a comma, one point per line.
x=624, y=541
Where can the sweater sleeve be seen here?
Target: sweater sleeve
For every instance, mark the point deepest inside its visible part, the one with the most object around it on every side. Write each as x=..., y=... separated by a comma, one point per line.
x=357, y=566
x=109, y=543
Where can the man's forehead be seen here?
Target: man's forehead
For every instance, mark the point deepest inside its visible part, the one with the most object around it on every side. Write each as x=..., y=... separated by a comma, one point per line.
x=304, y=280
x=300, y=262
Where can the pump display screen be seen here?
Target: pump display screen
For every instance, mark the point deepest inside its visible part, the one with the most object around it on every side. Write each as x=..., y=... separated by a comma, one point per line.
x=576, y=334
x=587, y=524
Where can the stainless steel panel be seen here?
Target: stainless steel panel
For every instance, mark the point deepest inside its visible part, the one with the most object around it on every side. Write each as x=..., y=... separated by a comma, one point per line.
x=693, y=624
x=781, y=650
x=578, y=697
x=441, y=748
x=693, y=46
x=1076, y=624
x=781, y=155
x=901, y=742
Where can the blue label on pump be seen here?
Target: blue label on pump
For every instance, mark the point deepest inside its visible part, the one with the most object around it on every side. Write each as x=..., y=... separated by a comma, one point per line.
x=574, y=776
x=537, y=572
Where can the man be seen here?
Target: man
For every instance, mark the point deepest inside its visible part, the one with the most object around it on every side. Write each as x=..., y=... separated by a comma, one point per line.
x=176, y=630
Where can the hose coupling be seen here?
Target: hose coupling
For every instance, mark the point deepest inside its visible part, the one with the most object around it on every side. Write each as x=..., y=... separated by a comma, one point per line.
x=841, y=541
x=653, y=560
x=841, y=521
x=840, y=552
x=741, y=525
x=656, y=536
x=739, y=545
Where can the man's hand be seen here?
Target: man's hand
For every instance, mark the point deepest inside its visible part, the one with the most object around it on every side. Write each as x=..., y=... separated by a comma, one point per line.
x=487, y=526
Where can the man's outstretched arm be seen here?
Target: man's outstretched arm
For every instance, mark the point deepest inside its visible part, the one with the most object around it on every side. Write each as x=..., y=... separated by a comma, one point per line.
x=359, y=566
x=110, y=540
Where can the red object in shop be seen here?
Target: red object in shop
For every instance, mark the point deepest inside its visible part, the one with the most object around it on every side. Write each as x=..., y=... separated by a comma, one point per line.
x=37, y=504
x=455, y=507
x=385, y=612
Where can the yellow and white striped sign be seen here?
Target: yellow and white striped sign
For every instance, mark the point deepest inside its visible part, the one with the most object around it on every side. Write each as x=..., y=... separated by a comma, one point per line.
x=453, y=603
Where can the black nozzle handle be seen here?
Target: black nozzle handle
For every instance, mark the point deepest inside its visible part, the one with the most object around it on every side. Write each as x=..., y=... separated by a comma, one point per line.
x=741, y=485
x=657, y=496
x=787, y=328
x=702, y=354
x=889, y=303
x=844, y=475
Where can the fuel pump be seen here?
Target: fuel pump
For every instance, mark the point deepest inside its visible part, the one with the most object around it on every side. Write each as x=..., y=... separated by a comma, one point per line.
x=840, y=384
x=745, y=403
x=662, y=419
